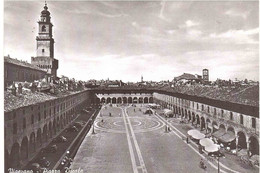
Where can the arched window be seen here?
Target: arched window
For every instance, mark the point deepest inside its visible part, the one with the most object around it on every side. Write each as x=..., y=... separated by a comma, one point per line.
x=197, y=106
x=43, y=28
x=253, y=123
x=208, y=110
x=231, y=116
x=222, y=113
x=241, y=119
x=215, y=111
x=202, y=107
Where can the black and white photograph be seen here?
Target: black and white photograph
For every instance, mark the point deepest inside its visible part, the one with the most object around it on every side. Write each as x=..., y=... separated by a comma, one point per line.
x=124, y=86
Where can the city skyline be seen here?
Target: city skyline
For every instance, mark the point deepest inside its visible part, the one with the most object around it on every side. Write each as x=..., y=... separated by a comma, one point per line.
x=124, y=40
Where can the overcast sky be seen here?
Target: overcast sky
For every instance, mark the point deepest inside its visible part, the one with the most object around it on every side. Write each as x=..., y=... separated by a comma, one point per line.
x=124, y=40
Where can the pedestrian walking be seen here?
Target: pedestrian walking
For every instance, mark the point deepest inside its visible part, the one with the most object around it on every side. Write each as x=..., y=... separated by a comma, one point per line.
x=187, y=139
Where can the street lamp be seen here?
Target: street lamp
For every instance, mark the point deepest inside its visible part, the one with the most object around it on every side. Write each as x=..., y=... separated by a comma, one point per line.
x=166, y=125
x=218, y=156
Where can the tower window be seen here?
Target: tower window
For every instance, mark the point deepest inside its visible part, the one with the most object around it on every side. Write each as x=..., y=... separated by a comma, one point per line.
x=43, y=28
x=42, y=50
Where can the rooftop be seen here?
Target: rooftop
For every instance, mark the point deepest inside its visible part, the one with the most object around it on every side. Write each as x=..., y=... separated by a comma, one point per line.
x=27, y=98
x=246, y=95
x=7, y=59
x=186, y=76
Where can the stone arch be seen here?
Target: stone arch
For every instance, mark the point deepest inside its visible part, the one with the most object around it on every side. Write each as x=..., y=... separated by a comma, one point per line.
x=50, y=128
x=230, y=128
x=45, y=134
x=146, y=100
x=108, y=100
x=119, y=100
x=39, y=138
x=197, y=119
x=193, y=117
x=32, y=143
x=54, y=126
x=140, y=100
x=103, y=100
x=202, y=123
x=253, y=145
x=15, y=156
x=208, y=126
x=124, y=100
x=24, y=148
x=150, y=99
x=241, y=140
x=135, y=100
x=113, y=100
x=189, y=115
x=214, y=126
x=130, y=100
x=222, y=126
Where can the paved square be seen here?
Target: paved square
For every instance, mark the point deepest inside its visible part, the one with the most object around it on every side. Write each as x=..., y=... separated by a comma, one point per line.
x=127, y=140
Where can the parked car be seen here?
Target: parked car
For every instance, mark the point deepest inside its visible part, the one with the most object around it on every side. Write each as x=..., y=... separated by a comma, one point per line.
x=85, y=110
x=89, y=108
x=49, y=149
x=79, y=124
x=44, y=162
x=60, y=139
x=36, y=168
x=72, y=129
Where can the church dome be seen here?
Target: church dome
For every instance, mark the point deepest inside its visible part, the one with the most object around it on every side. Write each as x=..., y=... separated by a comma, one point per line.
x=45, y=12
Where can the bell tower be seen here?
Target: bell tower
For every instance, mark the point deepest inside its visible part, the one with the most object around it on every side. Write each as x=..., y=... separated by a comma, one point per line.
x=45, y=45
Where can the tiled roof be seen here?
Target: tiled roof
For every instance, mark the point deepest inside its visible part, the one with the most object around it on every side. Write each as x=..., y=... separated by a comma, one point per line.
x=21, y=63
x=27, y=98
x=186, y=76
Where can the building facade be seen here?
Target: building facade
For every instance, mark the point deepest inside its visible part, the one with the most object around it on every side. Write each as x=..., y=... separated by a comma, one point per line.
x=20, y=71
x=235, y=124
x=30, y=128
x=45, y=45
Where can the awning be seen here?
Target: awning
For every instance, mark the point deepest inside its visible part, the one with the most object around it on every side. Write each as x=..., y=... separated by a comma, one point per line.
x=219, y=133
x=228, y=137
x=167, y=111
x=206, y=142
x=196, y=134
x=212, y=148
x=193, y=131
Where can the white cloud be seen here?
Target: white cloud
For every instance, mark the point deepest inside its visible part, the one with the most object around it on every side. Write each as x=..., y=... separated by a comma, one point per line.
x=237, y=36
x=194, y=34
x=234, y=13
x=190, y=23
